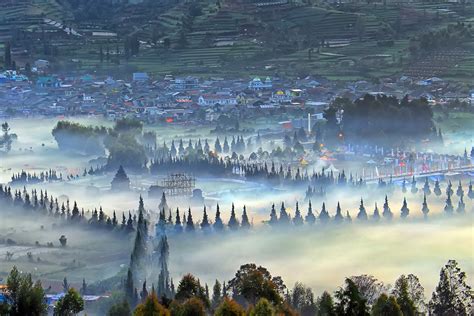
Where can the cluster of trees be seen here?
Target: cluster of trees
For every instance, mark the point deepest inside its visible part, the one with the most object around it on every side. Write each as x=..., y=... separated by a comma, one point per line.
x=43, y=204
x=121, y=141
x=6, y=140
x=254, y=291
x=382, y=120
x=24, y=177
x=454, y=35
x=25, y=297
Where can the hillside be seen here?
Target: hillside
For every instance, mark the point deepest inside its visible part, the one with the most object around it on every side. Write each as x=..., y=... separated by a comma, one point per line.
x=242, y=38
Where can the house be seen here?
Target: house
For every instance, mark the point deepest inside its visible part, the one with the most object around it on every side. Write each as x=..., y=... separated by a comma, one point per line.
x=140, y=77
x=48, y=82
x=41, y=64
x=186, y=83
x=214, y=99
x=281, y=97
x=257, y=84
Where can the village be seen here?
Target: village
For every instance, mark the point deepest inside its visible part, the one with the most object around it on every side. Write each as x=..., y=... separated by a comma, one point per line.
x=196, y=100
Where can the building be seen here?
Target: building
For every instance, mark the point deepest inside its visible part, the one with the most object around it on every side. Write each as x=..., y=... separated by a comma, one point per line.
x=257, y=84
x=48, y=82
x=281, y=96
x=140, y=77
x=187, y=83
x=216, y=99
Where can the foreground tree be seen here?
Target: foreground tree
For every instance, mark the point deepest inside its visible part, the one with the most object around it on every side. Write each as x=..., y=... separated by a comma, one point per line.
x=452, y=295
x=24, y=297
x=386, y=306
x=70, y=304
x=254, y=282
x=229, y=307
x=262, y=308
x=325, y=305
x=408, y=287
x=151, y=307
x=120, y=309
x=350, y=300
x=302, y=300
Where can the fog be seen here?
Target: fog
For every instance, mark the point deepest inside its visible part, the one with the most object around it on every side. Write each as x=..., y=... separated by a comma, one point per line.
x=318, y=256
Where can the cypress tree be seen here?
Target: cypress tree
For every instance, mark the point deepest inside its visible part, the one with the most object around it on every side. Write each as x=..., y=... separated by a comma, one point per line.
x=426, y=187
x=273, y=216
x=205, y=221
x=449, y=188
x=460, y=191
x=470, y=193
x=233, y=222
x=189, y=222
x=245, y=219
x=218, y=224
x=338, y=218
x=362, y=215
x=310, y=218
x=387, y=213
x=437, y=189
x=284, y=217
x=448, y=208
x=404, y=211
x=461, y=206
x=298, y=219
x=425, y=210
x=324, y=215
x=414, y=189
x=177, y=225
x=376, y=215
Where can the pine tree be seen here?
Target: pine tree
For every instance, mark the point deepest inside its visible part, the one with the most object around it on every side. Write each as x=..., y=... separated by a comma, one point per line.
x=448, y=208
x=470, y=193
x=189, y=222
x=404, y=211
x=205, y=221
x=324, y=215
x=426, y=187
x=298, y=219
x=452, y=295
x=460, y=191
x=449, y=188
x=338, y=218
x=218, y=224
x=362, y=215
x=284, y=217
x=387, y=213
x=216, y=294
x=376, y=215
x=245, y=219
x=404, y=187
x=163, y=204
x=273, y=216
x=178, y=227
x=310, y=218
x=437, y=189
x=144, y=292
x=461, y=206
x=414, y=189
x=129, y=288
x=425, y=210
x=348, y=217
x=233, y=222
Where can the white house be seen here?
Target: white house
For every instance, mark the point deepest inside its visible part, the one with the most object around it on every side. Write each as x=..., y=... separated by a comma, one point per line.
x=214, y=99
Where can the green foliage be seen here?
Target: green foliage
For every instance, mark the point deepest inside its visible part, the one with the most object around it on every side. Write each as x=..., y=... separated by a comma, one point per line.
x=229, y=307
x=386, y=306
x=120, y=309
x=24, y=297
x=350, y=300
x=262, y=308
x=254, y=282
x=189, y=287
x=325, y=305
x=70, y=304
x=151, y=307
